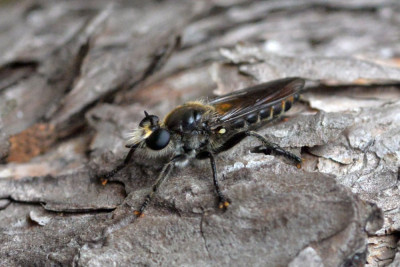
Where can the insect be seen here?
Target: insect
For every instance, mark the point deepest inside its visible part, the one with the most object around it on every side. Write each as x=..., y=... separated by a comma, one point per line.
x=201, y=130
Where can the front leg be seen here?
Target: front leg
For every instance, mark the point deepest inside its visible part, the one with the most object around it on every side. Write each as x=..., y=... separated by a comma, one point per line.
x=223, y=201
x=269, y=147
x=104, y=179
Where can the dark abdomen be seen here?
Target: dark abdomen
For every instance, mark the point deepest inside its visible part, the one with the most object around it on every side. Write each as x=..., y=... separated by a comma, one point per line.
x=261, y=117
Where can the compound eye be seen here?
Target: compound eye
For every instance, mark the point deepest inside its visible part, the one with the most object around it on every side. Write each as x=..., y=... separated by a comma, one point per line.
x=158, y=139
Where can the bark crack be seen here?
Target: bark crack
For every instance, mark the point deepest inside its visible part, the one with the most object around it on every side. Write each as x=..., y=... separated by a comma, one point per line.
x=203, y=236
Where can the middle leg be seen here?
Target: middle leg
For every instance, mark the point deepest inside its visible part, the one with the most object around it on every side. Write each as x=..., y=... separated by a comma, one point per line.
x=223, y=201
x=165, y=172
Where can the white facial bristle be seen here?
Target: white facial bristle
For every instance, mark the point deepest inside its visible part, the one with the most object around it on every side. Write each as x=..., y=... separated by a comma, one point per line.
x=133, y=137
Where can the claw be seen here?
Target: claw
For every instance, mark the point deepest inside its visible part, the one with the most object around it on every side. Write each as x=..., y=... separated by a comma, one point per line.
x=223, y=204
x=298, y=165
x=138, y=214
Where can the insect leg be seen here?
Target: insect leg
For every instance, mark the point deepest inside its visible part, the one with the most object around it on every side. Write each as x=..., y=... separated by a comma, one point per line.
x=165, y=172
x=109, y=175
x=223, y=202
x=275, y=148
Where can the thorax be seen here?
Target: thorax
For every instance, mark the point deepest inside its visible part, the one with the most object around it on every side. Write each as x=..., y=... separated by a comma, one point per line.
x=188, y=123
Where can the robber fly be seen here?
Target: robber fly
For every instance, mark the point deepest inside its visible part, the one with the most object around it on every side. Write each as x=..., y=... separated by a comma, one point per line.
x=201, y=130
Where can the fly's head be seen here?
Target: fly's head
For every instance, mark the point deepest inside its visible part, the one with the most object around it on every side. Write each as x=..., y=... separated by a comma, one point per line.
x=150, y=134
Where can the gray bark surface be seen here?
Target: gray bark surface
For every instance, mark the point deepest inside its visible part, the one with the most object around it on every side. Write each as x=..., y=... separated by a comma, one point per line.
x=76, y=76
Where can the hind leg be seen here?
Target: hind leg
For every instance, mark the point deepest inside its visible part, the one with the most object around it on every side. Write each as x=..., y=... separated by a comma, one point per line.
x=268, y=148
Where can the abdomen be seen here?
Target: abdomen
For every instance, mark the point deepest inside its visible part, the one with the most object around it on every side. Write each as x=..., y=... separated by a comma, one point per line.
x=261, y=117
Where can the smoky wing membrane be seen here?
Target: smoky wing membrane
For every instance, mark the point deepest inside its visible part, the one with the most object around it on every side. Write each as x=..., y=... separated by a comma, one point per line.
x=241, y=103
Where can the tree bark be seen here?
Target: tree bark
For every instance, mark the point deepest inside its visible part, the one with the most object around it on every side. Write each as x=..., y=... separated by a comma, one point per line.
x=75, y=76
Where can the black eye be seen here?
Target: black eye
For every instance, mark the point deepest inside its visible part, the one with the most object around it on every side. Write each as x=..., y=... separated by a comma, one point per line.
x=158, y=139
